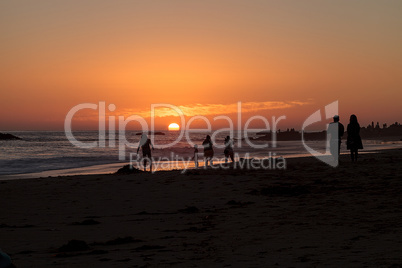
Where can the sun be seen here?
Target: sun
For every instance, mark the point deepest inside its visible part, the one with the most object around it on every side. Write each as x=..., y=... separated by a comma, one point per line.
x=173, y=126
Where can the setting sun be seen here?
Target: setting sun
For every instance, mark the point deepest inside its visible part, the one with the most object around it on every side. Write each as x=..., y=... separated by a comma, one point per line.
x=174, y=126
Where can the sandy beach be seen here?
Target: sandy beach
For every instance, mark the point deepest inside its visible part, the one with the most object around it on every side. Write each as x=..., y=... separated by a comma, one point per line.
x=309, y=215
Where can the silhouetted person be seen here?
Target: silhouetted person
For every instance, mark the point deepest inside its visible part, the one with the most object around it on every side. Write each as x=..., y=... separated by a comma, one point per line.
x=354, y=141
x=228, y=149
x=335, y=131
x=195, y=157
x=208, y=150
x=146, y=144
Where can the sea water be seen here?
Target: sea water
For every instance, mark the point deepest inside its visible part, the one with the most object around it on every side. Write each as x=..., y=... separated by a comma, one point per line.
x=40, y=151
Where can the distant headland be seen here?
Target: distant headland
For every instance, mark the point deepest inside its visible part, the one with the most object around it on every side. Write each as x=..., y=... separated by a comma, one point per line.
x=392, y=132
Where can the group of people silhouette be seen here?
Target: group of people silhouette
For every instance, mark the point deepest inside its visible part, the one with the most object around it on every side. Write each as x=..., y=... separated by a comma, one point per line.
x=353, y=141
x=145, y=145
x=335, y=132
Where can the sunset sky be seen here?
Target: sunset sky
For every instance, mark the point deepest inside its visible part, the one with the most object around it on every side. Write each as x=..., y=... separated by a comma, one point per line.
x=277, y=57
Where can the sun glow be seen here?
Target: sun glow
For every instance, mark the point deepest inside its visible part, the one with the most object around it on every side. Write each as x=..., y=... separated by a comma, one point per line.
x=173, y=126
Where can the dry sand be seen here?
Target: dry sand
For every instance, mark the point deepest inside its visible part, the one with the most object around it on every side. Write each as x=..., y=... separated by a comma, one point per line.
x=309, y=215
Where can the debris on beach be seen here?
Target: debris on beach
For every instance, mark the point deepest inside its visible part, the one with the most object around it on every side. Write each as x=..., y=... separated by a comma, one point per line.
x=128, y=169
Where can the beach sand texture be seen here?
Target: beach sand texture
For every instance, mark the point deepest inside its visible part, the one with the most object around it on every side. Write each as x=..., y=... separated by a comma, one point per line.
x=309, y=215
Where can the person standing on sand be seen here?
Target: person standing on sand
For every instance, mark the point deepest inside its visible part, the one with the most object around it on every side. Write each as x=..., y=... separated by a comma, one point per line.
x=354, y=141
x=228, y=149
x=335, y=131
x=146, y=144
x=195, y=157
x=208, y=150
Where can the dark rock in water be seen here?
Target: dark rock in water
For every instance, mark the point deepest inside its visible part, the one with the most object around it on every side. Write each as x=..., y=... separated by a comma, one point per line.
x=7, y=136
x=128, y=169
x=74, y=245
x=152, y=133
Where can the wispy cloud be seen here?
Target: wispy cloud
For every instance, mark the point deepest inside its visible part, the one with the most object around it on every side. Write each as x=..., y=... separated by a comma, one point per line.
x=194, y=109
x=217, y=109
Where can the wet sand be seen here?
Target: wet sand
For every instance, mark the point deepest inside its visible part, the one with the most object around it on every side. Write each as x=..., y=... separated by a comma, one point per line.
x=309, y=215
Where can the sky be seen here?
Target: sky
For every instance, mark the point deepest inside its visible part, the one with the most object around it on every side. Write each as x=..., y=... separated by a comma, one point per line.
x=279, y=58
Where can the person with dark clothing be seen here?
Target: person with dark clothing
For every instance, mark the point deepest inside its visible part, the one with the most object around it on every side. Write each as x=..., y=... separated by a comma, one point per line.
x=335, y=131
x=195, y=157
x=146, y=144
x=208, y=150
x=228, y=149
x=354, y=141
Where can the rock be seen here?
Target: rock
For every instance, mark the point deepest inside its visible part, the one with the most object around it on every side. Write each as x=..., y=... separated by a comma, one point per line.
x=127, y=169
x=7, y=136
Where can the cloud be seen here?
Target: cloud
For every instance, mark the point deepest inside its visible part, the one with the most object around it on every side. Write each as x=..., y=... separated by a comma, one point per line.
x=194, y=109
x=217, y=109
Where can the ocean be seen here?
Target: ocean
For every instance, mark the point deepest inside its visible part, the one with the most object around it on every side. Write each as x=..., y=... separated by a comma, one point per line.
x=41, y=151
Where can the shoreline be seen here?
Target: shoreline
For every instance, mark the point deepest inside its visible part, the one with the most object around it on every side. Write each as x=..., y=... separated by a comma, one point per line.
x=111, y=168
x=82, y=168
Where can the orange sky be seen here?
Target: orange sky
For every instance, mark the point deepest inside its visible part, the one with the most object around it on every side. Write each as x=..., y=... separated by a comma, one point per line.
x=57, y=54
